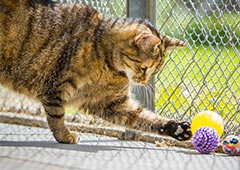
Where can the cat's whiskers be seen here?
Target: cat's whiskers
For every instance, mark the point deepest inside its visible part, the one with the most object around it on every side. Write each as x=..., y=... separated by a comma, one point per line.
x=122, y=90
x=118, y=97
x=150, y=86
x=149, y=91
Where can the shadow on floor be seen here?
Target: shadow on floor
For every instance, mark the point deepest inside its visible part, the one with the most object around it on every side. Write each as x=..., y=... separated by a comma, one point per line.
x=81, y=147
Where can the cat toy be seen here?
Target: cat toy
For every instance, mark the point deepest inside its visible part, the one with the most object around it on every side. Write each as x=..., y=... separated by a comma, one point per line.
x=207, y=128
x=205, y=140
x=231, y=145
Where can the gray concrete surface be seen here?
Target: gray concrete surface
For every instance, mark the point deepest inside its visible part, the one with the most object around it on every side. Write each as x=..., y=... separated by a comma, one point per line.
x=28, y=148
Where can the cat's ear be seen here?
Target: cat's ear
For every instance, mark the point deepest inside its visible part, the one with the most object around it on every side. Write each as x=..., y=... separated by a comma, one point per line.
x=171, y=43
x=146, y=41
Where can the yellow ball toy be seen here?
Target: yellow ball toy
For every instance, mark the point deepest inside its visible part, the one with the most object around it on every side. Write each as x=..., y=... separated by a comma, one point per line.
x=208, y=119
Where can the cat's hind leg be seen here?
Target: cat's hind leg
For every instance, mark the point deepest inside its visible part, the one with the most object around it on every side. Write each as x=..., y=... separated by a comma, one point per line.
x=55, y=118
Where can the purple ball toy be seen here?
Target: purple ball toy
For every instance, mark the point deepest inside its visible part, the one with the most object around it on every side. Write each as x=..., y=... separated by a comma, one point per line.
x=205, y=140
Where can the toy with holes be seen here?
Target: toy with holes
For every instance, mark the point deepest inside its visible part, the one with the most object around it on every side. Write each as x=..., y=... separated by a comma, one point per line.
x=231, y=145
x=207, y=127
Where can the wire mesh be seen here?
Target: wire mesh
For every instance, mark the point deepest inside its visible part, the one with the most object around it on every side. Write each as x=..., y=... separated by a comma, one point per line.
x=109, y=8
x=204, y=76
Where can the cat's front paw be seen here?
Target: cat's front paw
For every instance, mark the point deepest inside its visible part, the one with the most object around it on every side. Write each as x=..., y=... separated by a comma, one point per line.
x=70, y=138
x=178, y=130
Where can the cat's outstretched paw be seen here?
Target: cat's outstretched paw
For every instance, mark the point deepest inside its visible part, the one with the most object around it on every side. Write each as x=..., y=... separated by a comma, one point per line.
x=178, y=130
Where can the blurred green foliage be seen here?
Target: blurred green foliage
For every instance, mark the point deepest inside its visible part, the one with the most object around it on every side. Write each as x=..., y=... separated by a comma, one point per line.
x=206, y=80
x=215, y=31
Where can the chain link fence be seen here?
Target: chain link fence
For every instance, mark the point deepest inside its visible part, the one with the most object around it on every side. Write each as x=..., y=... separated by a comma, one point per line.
x=206, y=75
x=108, y=8
x=203, y=76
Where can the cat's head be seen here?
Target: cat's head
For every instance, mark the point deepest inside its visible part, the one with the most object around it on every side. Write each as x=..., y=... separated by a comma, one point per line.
x=141, y=51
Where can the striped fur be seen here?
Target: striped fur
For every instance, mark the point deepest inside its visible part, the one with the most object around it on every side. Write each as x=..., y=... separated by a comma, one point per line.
x=64, y=54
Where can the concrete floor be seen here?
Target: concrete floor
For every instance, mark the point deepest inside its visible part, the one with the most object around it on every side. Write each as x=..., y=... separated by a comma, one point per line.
x=28, y=148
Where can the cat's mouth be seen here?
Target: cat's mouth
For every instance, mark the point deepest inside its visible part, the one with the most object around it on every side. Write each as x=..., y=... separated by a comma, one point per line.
x=138, y=82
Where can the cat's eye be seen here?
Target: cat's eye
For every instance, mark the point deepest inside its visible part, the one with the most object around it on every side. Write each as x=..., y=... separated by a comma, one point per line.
x=156, y=72
x=144, y=68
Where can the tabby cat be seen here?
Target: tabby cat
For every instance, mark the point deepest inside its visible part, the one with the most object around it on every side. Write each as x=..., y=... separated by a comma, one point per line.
x=62, y=54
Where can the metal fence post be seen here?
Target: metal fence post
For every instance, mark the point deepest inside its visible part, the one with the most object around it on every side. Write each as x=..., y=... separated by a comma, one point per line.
x=143, y=9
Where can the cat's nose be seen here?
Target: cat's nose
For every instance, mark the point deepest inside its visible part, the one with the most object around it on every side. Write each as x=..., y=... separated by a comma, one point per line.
x=144, y=82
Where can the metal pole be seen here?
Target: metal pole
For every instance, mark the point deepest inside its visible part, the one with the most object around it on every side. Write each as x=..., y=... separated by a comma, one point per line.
x=145, y=9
